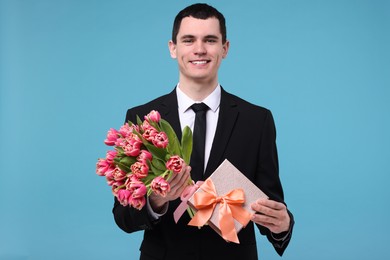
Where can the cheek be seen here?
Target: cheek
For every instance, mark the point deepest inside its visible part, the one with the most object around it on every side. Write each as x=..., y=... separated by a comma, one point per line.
x=218, y=62
x=180, y=58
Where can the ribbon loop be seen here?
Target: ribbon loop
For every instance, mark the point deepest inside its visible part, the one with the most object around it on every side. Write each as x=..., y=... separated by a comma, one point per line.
x=230, y=208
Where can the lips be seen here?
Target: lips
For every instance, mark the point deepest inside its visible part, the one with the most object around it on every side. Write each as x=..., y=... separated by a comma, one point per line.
x=199, y=62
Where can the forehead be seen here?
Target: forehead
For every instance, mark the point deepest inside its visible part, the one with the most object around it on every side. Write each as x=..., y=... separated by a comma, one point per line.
x=199, y=27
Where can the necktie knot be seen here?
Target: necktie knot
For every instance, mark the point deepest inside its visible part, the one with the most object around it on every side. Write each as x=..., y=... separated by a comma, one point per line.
x=198, y=107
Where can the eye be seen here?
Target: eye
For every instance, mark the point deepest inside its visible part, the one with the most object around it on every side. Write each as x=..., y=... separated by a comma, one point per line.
x=211, y=40
x=187, y=41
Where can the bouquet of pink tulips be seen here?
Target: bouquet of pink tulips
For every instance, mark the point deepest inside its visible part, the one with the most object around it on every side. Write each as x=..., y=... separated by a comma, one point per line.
x=145, y=156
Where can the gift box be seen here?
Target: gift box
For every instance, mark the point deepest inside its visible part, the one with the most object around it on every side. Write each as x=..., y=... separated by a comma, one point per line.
x=229, y=192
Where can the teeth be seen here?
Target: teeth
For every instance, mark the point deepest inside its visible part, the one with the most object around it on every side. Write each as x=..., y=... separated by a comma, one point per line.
x=199, y=62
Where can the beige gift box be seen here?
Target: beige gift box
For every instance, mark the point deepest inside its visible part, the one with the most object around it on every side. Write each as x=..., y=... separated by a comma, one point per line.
x=227, y=178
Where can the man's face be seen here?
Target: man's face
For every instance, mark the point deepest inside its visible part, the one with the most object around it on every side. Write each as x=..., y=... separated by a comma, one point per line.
x=199, y=50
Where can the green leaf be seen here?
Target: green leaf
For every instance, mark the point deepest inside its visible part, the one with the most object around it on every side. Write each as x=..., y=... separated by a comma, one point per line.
x=139, y=121
x=152, y=123
x=155, y=125
x=149, y=178
x=174, y=145
x=120, y=151
x=186, y=144
x=123, y=167
x=159, y=164
x=119, y=157
x=140, y=136
x=155, y=170
x=125, y=163
x=156, y=152
x=117, y=160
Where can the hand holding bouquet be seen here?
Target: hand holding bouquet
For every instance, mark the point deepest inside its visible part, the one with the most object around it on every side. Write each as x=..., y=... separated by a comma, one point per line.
x=144, y=158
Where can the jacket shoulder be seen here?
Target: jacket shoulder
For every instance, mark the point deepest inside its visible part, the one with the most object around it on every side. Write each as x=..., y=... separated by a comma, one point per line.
x=244, y=105
x=144, y=109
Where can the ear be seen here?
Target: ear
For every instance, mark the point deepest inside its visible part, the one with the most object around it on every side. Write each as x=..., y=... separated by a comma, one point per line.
x=225, y=49
x=172, y=49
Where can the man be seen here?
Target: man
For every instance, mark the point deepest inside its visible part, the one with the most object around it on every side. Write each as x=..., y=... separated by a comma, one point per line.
x=236, y=130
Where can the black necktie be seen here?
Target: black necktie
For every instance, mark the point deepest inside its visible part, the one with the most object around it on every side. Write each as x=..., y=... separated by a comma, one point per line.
x=199, y=140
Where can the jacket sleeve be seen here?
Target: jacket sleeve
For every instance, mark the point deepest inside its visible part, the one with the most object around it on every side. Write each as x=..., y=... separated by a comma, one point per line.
x=268, y=180
x=130, y=219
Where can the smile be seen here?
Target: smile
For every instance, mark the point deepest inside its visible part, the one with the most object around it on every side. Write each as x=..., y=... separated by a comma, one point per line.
x=199, y=62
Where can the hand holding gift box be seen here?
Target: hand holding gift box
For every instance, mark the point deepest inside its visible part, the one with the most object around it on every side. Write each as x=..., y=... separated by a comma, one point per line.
x=224, y=201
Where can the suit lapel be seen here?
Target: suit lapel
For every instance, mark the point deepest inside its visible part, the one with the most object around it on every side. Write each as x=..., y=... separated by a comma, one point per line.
x=169, y=111
x=228, y=114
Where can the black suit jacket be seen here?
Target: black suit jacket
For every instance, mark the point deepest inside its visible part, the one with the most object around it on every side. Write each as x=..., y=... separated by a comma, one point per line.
x=245, y=135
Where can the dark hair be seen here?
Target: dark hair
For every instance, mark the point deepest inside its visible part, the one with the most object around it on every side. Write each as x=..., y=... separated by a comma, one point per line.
x=199, y=11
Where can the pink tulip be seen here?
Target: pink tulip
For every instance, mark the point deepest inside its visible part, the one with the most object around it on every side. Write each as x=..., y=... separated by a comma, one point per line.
x=138, y=190
x=135, y=138
x=139, y=169
x=132, y=146
x=132, y=181
x=153, y=116
x=149, y=133
x=160, y=140
x=111, y=155
x=160, y=186
x=103, y=167
x=120, y=142
x=123, y=196
x=118, y=174
x=109, y=174
x=126, y=130
x=137, y=203
x=115, y=186
x=112, y=137
x=175, y=164
x=144, y=156
x=145, y=125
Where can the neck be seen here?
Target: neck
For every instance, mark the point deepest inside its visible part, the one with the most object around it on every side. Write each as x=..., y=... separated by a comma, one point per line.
x=198, y=91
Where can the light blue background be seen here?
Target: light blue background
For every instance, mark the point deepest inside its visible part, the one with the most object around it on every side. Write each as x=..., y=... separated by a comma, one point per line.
x=70, y=69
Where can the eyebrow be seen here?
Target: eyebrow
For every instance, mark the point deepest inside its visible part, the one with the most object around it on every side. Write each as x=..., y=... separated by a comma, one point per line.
x=212, y=37
x=190, y=36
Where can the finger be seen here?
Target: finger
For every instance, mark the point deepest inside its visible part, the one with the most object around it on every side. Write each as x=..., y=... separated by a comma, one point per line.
x=276, y=225
x=279, y=214
x=181, y=189
x=177, y=177
x=264, y=219
x=271, y=204
x=184, y=176
x=271, y=227
x=171, y=178
x=267, y=211
x=188, y=170
x=180, y=181
x=271, y=223
x=184, y=168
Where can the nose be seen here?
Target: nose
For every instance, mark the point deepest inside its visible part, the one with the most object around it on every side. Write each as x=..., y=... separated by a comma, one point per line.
x=200, y=48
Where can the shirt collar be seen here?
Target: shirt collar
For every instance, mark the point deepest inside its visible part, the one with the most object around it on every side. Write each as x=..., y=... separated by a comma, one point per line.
x=185, y=102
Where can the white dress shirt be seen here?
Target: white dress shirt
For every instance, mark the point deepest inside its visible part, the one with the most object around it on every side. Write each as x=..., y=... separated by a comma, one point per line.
x=187, y=115
x=187, y=118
